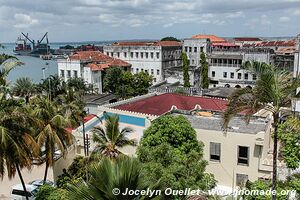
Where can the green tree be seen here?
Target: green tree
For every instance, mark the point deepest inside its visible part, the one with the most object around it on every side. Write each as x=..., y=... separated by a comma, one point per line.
x=78, y=85
x=17, y=147
x=51, y=133
x=204, y=71
x=186, y=76
x=170, y=38
x=142, y=81
x=289, y=136
x=171, y=153
x=274, y=89
x=111, y=138
x=23, y=87
x=122, y=173
x=53, y=86
x=7, y=63
x=112, y=79
x=47, y=192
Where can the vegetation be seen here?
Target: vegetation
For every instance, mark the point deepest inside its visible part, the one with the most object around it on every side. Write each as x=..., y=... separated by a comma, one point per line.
x=204, y=71
x=47, y=192
x=289, y=136
x=108, y=140
x=274, y=89
x=186, y=76
x=23, y=87
x=51, y=133
x=125, y=84
x=170, y=38
x=122, y=173
x=171, y=153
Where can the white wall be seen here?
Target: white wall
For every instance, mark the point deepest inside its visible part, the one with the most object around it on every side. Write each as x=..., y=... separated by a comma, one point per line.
x=68, y=65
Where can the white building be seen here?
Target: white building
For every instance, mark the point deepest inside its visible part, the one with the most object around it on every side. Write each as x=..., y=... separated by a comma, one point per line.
x=224, y=67
x=151, y=57
x=89, y=66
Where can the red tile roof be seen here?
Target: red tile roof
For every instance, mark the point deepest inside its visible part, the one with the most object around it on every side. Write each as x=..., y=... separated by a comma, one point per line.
x=212, y=38
x=248, y=39
x=224, y=44
x=277, y=43
x=150, y=43
x=157, y=105
x=99, y=60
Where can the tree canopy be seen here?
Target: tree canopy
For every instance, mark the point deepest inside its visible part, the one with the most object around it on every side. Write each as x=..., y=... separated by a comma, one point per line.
x=125, y=84
x=185, y=68
x=170, y=38
x=171, y=153
x=204, y=71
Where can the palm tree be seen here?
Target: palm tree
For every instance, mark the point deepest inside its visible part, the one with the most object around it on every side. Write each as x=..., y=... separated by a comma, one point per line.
x=51, y=132
x=274, y=89
x=23, y=87
x=7, y=63
x=109, y=176
x=111, y=138
x=17, y=147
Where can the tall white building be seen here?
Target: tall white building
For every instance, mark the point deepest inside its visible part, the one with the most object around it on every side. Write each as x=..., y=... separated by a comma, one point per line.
x=89, y=66
x=151, y=57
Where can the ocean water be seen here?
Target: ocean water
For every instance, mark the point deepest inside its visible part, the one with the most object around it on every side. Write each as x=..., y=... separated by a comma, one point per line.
x=32, y=67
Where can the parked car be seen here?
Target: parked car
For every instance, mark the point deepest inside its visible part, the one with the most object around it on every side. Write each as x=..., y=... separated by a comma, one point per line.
x=18, y=193
x=40, y=182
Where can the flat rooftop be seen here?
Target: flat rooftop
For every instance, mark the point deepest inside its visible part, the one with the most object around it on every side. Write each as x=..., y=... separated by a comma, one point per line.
x=237, y=124
x=160, y=104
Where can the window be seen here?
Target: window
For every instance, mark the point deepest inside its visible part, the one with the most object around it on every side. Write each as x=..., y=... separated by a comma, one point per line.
x=195, y=49
x=125, y=54
x=152, y=71
x=185, y=49
x=136, y=54
x=193, y=62
x=243, y=155
x=213, y=73
x=75, y=74
x=107, y=53
x=142, y=54
x=146, y=54
x=137, y=70
x=142, y=70
x=201, y=49
x=111, y=54
x=151, y=54
x=241, y=179
x=254, y=77
x=154, y=79
x=146, y=70
x=69, y=73
x=131, y=54
x=215, y=151
x=118, y=54
x=246, y=76
x=224, y=74
x=232, y=75
x=239, y=75
x=62, y=73
x=157, y=72
x=190, y=49
x=157, y=55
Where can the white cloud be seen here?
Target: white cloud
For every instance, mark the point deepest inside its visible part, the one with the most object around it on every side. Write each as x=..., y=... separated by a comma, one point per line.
x=284, y=19
x=24, y=21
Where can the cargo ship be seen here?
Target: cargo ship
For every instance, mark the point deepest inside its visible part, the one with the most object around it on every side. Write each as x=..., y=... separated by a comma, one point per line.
x=28, y=47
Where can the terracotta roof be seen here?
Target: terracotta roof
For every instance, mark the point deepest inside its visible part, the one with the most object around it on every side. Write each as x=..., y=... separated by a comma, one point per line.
x=248, y=39
x=224, y=44
x=212, y=38
x=99, y=60
x=277, y=43
x=157, y=105
x=150, y=43
x=286, y=50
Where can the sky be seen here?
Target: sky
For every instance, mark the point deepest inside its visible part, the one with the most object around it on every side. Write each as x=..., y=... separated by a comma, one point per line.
x=99, y=20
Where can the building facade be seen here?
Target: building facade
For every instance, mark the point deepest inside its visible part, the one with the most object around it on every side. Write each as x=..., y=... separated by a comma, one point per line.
x=153, y=58
x=224, y=66
x=88, y=65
